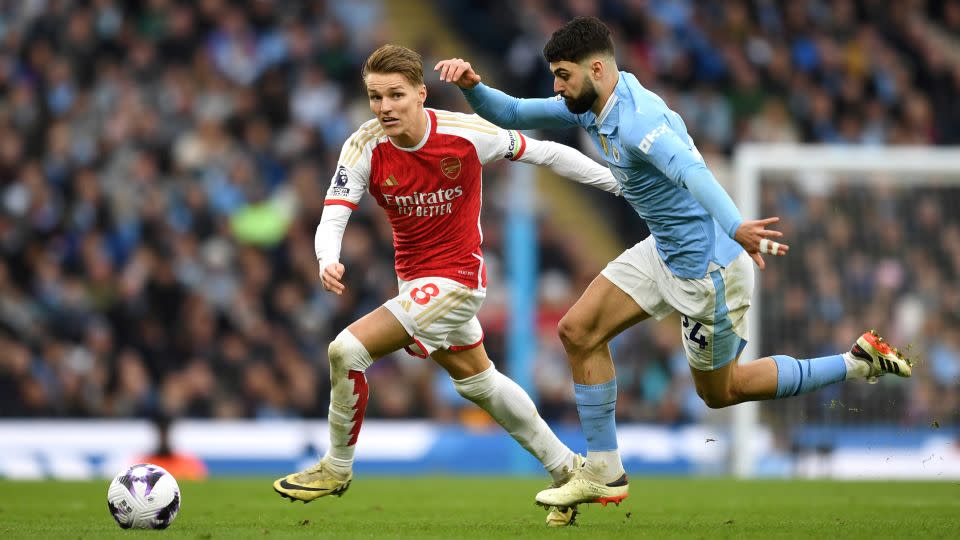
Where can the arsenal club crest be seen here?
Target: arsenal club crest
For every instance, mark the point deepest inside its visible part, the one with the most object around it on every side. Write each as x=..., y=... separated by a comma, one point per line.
x=451, y=167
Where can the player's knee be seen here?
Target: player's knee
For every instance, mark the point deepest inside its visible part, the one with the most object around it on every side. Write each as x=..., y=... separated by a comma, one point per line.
x=346, y=353
x=478, y=386
x=575, y=336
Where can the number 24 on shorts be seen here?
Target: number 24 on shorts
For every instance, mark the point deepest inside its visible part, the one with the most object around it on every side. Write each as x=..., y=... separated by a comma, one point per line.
x=694, y=334
x=422, y=295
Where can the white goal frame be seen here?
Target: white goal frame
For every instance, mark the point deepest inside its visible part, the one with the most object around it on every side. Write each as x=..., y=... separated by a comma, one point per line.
x=751, y=161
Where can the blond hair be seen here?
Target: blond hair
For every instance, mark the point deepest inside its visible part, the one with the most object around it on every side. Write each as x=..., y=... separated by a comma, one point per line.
x=395, y=59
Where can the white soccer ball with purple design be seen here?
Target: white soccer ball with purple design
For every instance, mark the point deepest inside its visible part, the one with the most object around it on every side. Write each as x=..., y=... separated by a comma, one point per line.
x=144, y=496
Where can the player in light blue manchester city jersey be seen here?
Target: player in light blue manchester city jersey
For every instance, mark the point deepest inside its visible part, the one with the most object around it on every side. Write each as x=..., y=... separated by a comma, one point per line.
x=696, y=260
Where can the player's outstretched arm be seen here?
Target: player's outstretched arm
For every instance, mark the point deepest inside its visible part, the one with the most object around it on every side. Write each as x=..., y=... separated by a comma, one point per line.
x=502, y=109
x=569, y=163
x=679, y=161
x=756, y=239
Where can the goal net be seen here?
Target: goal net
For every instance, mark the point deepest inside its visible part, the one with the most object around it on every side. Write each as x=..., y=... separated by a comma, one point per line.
x=874, y=238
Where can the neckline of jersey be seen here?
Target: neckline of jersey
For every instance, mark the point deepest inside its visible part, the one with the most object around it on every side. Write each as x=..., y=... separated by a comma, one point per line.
x=611, y=102
x=423, y=141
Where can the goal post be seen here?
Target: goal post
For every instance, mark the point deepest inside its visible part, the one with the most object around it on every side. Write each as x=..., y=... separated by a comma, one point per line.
x=753, y=164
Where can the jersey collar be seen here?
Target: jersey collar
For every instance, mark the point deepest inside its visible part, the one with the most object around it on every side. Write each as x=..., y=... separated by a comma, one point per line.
x=611, y=103
x=431, y=122
x=607, y=123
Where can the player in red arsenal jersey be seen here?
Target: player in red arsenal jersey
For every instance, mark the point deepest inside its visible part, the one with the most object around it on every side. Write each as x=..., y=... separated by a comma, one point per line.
x=423, y=167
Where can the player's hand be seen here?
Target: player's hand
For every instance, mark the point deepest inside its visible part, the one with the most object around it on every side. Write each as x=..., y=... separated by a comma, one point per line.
x=756, y=239
x=330, y=276
x=457, y=71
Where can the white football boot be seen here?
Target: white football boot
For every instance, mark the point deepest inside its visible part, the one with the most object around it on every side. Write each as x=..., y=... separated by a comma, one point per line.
x=561, y=516
x=880, y=356
x=580, y=489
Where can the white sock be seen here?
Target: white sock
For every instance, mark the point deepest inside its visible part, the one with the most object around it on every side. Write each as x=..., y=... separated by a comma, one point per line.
x=339, y=456
x=856, y=368
x=561, y=473
x=339, y=467
x=513, y=409
x=348, y=396
x=604, y=467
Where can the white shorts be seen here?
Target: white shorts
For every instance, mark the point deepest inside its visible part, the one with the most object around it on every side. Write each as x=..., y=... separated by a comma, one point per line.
x=713, y=308
x=438, y=313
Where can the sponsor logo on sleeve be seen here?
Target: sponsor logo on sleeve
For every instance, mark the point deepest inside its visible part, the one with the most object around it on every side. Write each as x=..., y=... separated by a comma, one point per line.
x=340, y=179
x=340, y=188
x=651, y=137
x=514, y=144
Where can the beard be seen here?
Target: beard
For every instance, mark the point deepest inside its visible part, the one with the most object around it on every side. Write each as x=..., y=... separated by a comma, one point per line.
x=586, y=99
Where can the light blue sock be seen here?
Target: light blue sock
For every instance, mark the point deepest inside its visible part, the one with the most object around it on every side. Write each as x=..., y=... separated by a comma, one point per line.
x=597, y=405
x=795, y=377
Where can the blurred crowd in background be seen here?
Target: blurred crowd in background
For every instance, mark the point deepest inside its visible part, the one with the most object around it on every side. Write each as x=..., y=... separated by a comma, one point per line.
x=899, y=276
x=163, y=166
x=830, y=71
x=869, y=254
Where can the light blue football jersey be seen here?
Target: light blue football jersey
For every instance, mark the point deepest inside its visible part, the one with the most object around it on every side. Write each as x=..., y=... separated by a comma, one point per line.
x=660, y=171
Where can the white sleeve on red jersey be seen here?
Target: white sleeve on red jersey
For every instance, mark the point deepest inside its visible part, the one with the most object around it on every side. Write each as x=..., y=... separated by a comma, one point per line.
x=329, y=237
x=346, y=188
x=353, y=168
x=570, y=163
x=493, y=143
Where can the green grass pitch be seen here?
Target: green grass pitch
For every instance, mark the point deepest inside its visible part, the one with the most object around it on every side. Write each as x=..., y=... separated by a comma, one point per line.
x=492, y=508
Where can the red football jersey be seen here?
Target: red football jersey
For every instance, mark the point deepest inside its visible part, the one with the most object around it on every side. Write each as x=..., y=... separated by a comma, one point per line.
x=431, y=192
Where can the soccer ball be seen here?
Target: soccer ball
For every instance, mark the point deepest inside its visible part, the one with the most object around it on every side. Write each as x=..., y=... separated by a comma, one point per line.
x=144, y=496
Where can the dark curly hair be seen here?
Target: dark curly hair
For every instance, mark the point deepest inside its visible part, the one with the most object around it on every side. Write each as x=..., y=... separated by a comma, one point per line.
x=578, y=39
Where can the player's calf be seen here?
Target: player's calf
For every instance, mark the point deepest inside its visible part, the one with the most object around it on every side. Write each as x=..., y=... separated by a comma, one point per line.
x=349, y=360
